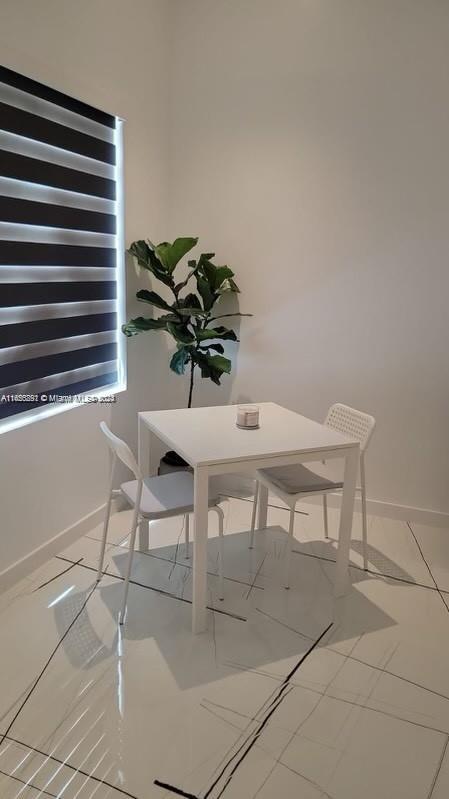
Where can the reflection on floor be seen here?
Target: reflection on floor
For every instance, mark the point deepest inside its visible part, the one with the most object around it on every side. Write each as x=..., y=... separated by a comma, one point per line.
x=288, y=694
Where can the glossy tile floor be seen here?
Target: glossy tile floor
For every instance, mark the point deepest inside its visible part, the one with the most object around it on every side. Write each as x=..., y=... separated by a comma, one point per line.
x=287, y=695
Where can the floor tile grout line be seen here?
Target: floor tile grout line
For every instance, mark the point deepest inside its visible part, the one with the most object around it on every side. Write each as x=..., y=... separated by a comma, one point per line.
x=270, y=710
x=323, y=695
x=229, y=723
x=353, y=702
x=309, y=715
x=41, y=674
x=256, y=576
x=373, y=573
x=435, y=587
x=180, y=563
x=323, y=793
x=437, y=773
x=42, y=791
x=14, y=703
x=245, y=731
x=156, y=590
x=381, y=712
x=350, y=657
x=278, y=695
x=427, y=565
x=57, y=575
x=73, y=768
x=159, y=591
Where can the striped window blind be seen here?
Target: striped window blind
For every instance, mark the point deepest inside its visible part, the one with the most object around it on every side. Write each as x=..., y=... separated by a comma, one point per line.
x=61, y=262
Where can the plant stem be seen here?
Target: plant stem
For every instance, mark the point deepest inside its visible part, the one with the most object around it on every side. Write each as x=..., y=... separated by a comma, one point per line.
x=192, y=368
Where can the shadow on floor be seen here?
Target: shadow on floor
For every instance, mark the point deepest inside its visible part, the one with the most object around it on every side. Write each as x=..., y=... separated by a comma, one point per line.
x=377, y=560
x=258, y=623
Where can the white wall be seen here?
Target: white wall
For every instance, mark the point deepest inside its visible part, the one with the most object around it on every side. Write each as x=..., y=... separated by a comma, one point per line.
x=111, y=54
x=309, y=146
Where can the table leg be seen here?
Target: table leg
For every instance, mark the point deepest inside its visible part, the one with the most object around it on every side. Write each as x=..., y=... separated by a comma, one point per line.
x=201, y=508
x=143, y=457
x=262, y=506
x=346, y=514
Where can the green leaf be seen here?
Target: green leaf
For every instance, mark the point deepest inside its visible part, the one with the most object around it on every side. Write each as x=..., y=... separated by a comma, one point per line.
x=222, y=273
x=225, y=333
x=180, y=333
x=180, y=360
x=169, y=317
x=140, y=250
x=207, y=371
x=216, y=332
x=141, y=325
x=191, y=306
x=207, y=295
x=171, y=254
x=220, y=362
x=224, y=315
x=153, y=299
x=148, y=260
x=190, y=301
x=216, y=347
x=215, y=275
x=193, y=268
x=209, y=270
x=196, y=312
x=212, y=366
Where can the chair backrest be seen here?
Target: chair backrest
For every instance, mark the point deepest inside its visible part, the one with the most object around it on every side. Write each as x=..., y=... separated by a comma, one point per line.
x=354, y=423
x=121, y=449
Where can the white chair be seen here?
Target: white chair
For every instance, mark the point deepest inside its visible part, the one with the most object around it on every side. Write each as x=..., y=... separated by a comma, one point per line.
x=292, y=483
x=152, y=498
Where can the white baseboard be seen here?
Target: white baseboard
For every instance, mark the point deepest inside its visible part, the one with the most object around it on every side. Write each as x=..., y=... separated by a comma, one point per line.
x=375, y=507
x=408, y=513
x=23, y=567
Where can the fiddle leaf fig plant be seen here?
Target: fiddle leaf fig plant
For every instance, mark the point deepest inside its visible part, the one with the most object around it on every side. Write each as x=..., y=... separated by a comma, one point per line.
x=189, y=317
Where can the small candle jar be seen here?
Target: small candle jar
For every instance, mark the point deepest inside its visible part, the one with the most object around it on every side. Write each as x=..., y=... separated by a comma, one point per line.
x=247, y=417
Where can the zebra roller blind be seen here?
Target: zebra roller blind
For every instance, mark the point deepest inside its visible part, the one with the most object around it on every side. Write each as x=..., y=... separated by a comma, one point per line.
x=61, y=251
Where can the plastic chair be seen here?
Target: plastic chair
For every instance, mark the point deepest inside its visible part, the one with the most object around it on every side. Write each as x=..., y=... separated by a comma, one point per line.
x=152, y=498
x=292, y=483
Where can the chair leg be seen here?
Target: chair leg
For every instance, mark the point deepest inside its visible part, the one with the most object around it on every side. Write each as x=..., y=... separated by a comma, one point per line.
x=144, y=535
x=364, y=521
x=220, y=551
x=288, y=549
x=107, y=515
x=132, y=541
x=187, y=535
x=253, y=515
x=326, y=526
x=104, y=538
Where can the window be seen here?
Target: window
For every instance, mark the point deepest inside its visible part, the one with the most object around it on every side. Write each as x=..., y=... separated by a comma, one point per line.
x=61, y=251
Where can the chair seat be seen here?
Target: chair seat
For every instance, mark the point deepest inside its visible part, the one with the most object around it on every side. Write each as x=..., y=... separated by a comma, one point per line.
x=166, y=495
x=297, y=479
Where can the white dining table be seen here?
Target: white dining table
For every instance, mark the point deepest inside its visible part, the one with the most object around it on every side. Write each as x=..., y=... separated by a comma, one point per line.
x=209, y=440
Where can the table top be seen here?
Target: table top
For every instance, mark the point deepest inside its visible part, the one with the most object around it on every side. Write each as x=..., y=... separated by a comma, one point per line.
x=205, y=436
